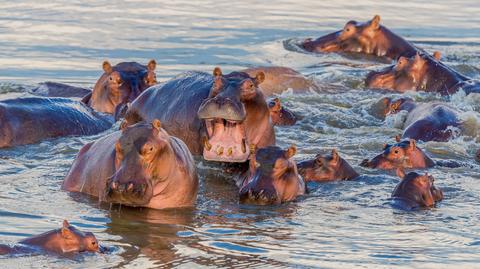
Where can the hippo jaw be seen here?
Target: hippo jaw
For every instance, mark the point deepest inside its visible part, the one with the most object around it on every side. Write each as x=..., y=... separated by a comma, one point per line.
x=226, y=141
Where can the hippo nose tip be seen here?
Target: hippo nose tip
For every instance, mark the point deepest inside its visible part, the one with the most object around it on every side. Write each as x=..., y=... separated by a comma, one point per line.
x=258, y=197
x=128, y=188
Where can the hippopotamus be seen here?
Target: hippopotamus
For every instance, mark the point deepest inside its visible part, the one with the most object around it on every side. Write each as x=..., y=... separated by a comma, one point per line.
x=368, y=38
x=416, y=191
x=280, y=115
x=279, y=79
x=326, y=168
x=138, y=166
x=31, y=119
x=217, y=116
x=120, y=84
x=272, y=177
x=67, y=239
x=56, y=89
x=403, y=154
x=428, y=121
x=421, y=72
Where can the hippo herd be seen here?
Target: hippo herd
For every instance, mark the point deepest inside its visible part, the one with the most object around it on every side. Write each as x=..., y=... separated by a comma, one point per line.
x=226, y=118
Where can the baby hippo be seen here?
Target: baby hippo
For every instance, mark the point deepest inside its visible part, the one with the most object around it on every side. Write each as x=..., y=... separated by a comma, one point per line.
x=326, y=168
x=427, y=122
x=280, y=115
x=67, y=239
x=416, y=191
x=403, y=154
x=272, y=177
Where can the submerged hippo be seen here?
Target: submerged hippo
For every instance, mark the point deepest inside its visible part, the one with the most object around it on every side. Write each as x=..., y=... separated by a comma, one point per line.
x=403, y=154
x=427, y=122
x=416, y=191
x=327, y=168
x=120, y=84
x=279, y=79
x=67, y=239
x=280, y=115
x=140, y=166
x=366, y=38
x=218, y=116
x=272, y=177
x=55, y=89
x=421, y=72
x=32, y=119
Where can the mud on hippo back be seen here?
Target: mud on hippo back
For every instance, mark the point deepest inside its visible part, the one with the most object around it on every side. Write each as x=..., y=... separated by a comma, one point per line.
x=421, y=72
x=140, y=166
x=368, y=38
x=218, y=116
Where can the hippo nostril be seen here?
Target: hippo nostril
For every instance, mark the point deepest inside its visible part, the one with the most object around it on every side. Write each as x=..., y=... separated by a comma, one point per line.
x=130, y=187
x=114, y=185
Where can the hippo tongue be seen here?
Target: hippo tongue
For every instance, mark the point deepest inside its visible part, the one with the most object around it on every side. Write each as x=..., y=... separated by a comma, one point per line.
x=226, y=142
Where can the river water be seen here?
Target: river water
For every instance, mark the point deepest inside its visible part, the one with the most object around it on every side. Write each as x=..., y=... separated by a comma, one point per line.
x=337, y=225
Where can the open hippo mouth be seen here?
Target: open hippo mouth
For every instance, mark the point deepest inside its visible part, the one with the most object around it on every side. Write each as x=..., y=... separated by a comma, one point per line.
x=226, y=141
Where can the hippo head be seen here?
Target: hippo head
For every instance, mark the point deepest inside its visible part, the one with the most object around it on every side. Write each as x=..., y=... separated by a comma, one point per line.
x=403, y=154
x=406, y=74
x=326, y=168
x=273, y=177
x=73, y=240
x=280, y=115
x=120, y=84
x=417, y=190
x=236, y=115
x=394, y=106
x=354, y=37
x=142, y=156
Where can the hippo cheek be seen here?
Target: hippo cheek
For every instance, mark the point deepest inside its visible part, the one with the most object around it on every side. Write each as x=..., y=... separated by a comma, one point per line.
x=135, y=192
x=327, y=43
x=378, y=162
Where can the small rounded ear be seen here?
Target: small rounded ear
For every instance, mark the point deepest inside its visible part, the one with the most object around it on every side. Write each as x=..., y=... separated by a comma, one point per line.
x=400, y=173
x=124, y=125
x=398, y=138
x=65, y=230
x=335, y=156
x=66, y=224
x=107, y=67
x=260, y=77
x=437, y=55
x=291, y=151
x=412, y=144
x=152, y=64
x=156, y=124
x=375, y=22
x=217, y=72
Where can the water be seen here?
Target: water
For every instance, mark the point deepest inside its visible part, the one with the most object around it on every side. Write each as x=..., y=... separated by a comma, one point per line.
x=338, y=225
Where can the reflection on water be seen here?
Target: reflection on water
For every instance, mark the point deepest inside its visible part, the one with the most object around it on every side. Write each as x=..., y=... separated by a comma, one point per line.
x=338, y=224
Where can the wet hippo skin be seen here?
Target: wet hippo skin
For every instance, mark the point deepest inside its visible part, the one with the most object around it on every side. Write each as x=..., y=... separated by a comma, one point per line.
x=326, y=168
x=416, y=191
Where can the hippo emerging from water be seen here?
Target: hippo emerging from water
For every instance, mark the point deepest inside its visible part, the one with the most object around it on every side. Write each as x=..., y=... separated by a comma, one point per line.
x=327, y=168
x=403, y=154
x=416, y=191
x=272, y=177
x=218, y=116
x=280, y=115
x=140, y=166
x=67, y=239
x=367, y=38
x=427, y=122
x=32, y=119
x=421, y=72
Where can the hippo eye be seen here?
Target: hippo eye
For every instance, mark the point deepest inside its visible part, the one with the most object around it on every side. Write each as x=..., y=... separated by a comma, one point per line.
x=396, y=151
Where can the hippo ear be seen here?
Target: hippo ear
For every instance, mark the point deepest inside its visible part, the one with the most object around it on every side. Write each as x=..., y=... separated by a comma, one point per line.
x=291, y=151
x=66, y=224
x=400, y=173
x=335, y=156
x=375, y=22
x=152, y=64
x=437, y=55
x=124, y=125
x=107, y=67
x=217, y=72
x=260, y=77
x=65, y=230
x=412, y=144
x=156, y=124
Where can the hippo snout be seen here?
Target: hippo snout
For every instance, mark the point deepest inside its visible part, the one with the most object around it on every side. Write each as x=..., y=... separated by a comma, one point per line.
x=221, y=107
x=130, y=192
x=259, y=197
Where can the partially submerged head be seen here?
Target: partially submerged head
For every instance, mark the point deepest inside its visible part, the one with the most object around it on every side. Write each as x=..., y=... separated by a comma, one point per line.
x=70, y=239
x=143, y=155
x=235, y=115
x=417, y=190
x=120, y=84
x=273, y=177
x=403, y=154
x=326, y=167
x=280, y=115
x=393, y=106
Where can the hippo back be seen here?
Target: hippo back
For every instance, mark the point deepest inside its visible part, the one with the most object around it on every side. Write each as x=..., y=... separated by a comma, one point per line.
x=29, y=120
x=175, y=103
